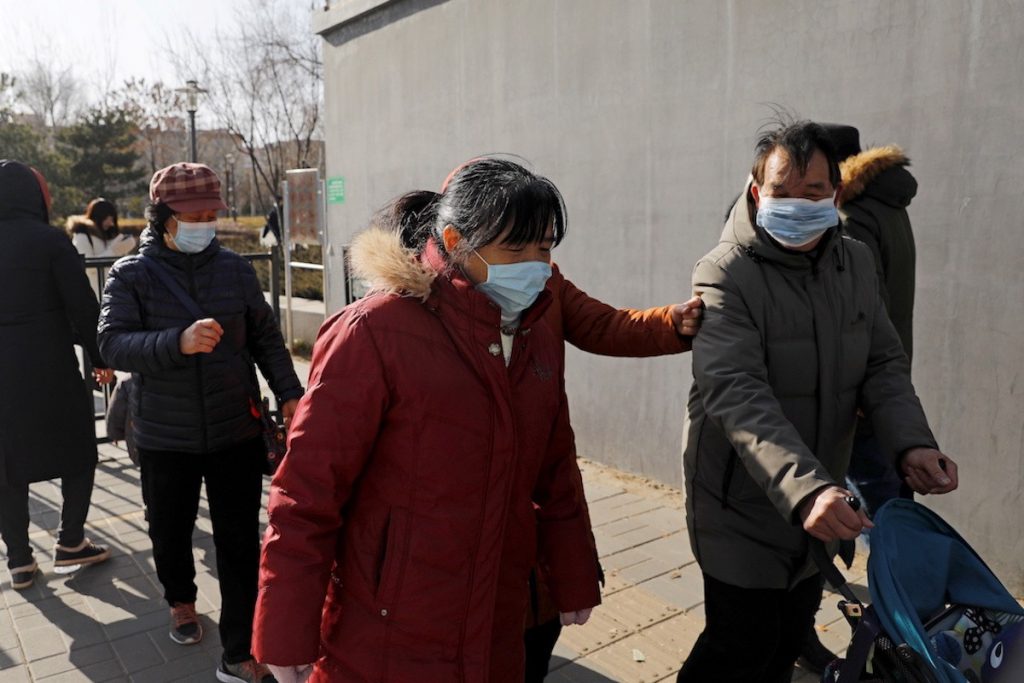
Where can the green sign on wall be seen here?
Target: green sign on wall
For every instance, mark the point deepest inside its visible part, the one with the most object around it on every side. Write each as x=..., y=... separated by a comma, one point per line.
x=336, y=190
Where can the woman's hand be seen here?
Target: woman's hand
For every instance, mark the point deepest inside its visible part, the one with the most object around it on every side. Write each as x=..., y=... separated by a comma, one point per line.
x=103, y=375
x=291, y=674
x=202, y=336
x=686, y=316
x=288, y=410
x=578, y=617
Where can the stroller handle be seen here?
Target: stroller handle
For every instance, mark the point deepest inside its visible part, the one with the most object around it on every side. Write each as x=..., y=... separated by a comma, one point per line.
x=828, y=569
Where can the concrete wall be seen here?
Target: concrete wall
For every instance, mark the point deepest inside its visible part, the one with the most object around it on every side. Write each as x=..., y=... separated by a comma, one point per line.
x=644, y=113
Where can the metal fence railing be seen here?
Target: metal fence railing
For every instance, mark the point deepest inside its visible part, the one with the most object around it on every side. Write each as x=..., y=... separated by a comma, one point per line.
x=97, y=268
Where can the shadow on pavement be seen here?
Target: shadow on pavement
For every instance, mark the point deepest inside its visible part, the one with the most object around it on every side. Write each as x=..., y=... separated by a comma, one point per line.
x=564, y=671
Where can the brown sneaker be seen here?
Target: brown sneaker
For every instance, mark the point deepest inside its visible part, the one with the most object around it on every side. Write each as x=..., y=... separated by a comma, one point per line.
x=249, y=671
x=185, y=626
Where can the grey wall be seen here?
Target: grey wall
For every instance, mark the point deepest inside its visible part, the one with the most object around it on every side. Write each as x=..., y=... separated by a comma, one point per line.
x=644, y=112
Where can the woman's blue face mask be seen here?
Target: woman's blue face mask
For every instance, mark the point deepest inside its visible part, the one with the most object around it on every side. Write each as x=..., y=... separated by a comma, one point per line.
x=794, y=221
x=192, y=238
x=514, y=286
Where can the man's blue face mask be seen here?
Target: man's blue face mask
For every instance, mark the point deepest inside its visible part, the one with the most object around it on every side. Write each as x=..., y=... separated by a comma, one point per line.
x=794, y=221
x=514, y=286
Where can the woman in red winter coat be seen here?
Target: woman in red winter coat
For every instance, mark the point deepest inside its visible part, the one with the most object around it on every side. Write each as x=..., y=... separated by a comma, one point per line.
x=402, y=525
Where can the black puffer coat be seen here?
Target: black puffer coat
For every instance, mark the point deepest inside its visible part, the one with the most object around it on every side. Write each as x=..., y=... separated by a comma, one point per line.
x=47, y=428
x=197, y=403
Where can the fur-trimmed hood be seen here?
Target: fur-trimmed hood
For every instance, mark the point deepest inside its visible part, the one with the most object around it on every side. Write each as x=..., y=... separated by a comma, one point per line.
x=82, y=224
x=379, y=258
x=878, y=172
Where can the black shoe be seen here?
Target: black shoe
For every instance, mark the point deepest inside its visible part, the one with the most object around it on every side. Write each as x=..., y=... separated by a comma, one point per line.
x=814, y=656
x=23, y=577
x=87, y=553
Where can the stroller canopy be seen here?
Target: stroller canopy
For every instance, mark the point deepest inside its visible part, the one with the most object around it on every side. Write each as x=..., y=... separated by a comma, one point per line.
x=919, y=565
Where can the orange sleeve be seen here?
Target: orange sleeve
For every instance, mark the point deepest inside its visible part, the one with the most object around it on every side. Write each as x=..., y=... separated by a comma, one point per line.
x=596, y=327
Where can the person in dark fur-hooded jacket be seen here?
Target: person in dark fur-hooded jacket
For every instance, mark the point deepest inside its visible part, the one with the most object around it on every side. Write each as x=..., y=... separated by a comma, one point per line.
x=877, y=189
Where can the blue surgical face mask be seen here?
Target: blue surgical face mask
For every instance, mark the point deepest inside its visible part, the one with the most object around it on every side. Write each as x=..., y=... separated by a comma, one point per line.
x=794, y=221
x=192, y=238
x=514, y=286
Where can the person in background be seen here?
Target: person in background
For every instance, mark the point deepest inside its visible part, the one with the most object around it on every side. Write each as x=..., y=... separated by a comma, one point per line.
x=47, y=428
x=194, y=409
x=432, y=461
x=97, y=235
x=794, y=341
x=270, y=236
x=877, y=189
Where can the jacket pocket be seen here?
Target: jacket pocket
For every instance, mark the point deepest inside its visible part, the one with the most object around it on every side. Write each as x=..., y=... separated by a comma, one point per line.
x=395, y=548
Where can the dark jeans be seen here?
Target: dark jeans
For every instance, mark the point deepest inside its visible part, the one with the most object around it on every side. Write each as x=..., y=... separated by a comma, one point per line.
x=872, y=474
x=752, y=635
x=540, y=642
x=234, y=486
x=14, y=519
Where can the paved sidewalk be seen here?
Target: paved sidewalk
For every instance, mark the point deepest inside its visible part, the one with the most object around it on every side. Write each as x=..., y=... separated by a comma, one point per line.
x=653, y=598
x=109, y=623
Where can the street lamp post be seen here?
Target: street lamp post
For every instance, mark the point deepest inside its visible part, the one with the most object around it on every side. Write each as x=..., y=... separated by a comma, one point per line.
x=192, y=92
x=229, y=160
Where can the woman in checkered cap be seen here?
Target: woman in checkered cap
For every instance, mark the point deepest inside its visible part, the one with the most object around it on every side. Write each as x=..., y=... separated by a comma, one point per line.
x=192, y=408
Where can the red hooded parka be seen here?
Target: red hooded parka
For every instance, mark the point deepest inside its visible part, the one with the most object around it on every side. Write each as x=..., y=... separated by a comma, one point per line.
x=402, y=526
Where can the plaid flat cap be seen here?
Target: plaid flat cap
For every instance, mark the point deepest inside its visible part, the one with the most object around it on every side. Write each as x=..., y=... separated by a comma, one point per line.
x=187, y=187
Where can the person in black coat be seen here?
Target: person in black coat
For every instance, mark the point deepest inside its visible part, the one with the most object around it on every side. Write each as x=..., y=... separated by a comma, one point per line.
x=271, y=234
x=194, y=415
x=47, y=428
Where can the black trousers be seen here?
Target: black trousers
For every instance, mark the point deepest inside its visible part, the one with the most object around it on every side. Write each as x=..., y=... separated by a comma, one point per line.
x=752, y=635
x=234, y=486
x=14, y=518
x=540, y=643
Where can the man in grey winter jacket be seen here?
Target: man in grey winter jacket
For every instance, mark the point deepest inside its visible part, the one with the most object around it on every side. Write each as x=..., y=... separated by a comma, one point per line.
x=795, y=339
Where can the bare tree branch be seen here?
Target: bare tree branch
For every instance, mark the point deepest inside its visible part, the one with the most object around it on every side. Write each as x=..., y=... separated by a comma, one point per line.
x=265, y=87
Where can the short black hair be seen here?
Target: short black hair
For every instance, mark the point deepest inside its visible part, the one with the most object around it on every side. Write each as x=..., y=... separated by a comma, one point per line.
x=800, y=139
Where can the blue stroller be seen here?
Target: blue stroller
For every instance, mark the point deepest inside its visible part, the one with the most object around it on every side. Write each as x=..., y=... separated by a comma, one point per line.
x=938, y=614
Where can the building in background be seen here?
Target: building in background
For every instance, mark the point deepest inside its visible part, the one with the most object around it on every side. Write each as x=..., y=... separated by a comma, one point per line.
x=644, y=114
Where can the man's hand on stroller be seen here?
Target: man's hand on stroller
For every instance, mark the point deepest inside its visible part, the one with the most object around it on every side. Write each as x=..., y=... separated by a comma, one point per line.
x=929, y=471
x=827, y=515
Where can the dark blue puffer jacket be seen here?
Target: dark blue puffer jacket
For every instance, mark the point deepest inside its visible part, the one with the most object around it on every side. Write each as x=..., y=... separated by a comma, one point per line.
x=197, y=403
